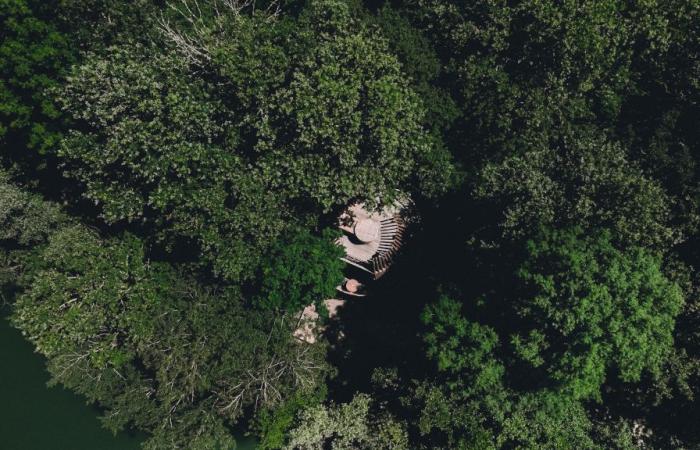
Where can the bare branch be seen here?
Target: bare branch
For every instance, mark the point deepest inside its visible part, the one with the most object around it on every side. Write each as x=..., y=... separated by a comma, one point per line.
x=194, y=43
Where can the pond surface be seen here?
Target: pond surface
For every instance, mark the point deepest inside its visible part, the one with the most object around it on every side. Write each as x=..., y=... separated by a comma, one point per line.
x=36, y=417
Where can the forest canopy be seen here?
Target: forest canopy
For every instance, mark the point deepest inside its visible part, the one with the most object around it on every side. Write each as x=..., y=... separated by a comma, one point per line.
x=172, y=173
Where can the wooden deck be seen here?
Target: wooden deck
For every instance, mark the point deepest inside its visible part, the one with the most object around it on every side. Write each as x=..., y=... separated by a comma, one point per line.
x=357, y=250
x=374, y=256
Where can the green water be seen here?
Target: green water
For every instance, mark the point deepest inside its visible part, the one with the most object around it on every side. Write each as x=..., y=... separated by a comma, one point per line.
x=36, y=417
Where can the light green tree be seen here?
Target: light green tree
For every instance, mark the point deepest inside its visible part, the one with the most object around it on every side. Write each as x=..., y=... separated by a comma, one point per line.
x=347, y=426
x=589, y=310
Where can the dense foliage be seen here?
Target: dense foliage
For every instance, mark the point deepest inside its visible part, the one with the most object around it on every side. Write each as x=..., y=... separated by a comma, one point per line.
x=154, y=348
x=271, y=133
x=34, y=55
x=588, y=308
x=172, y=171
x=301, y=271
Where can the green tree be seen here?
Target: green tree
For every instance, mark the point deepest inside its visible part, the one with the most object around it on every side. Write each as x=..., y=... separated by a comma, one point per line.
x=357, y=124
x=589, y=309
x=25, y=219
x=34, y=55
x=447, y=336
x=458, y=408
x=156, y=350
x=548, y=420
x=157, y=157
x=26, y=222
x=255, y=126
x=658, y=121
x=421, y=63
x=347, y=426
x=583, y=180
x=300, y=271
x=469, y=404
x=273, y=424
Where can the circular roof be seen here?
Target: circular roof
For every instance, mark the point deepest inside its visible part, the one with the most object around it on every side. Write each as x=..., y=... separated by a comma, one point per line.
x=367, y=230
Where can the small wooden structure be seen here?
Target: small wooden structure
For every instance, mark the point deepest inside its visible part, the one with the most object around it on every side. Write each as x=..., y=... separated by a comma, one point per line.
x=372, y=238
x=371, y=241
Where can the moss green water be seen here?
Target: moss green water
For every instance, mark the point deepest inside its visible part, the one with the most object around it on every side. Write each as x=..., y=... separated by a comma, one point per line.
x=36, y=417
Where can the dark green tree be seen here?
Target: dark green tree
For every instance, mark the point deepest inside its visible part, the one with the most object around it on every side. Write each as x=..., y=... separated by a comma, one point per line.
x=212, y=136
x=301, y=270
x=522, y=72
x=581, y=180
x=156, y=350
x=34, y=55
x=290, y=120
